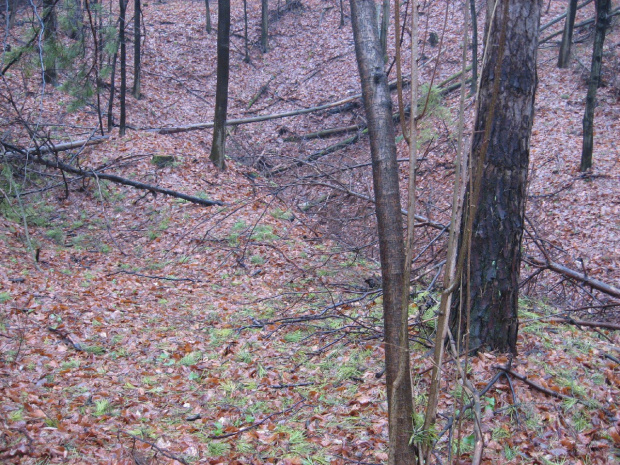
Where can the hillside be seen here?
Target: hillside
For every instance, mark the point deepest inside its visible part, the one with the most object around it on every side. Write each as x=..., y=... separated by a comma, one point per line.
x=154, y=330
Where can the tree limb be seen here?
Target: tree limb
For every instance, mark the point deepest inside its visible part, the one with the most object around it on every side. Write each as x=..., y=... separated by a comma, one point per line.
x=569, y=273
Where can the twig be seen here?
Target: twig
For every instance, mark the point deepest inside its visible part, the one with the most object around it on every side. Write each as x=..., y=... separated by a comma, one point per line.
x=532, y=384
x=257, y=424
x=155, y=277
x=163, y=452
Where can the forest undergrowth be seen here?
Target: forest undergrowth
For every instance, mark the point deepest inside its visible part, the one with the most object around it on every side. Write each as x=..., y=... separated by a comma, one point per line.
x=139, y=328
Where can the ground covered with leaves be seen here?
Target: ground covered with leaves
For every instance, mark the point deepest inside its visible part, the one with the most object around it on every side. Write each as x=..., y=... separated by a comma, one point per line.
x=146, y=329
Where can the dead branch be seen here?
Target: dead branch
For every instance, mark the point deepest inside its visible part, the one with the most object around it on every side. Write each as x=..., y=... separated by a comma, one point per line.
x=569, y=273
x=561, y=17
x=578, y=25
x=163, y=452
x=56, y=148
x=532, y=384
x=591, y=324
x=120, y=180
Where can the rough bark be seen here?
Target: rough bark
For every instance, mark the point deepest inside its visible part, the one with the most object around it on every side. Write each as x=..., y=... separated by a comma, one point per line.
x=218, y=150
x=602, y=20
x=567, y=35
x=494, y=205
x=377, y=101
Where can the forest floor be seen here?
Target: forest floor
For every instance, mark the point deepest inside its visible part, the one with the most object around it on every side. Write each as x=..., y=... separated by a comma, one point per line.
x=154, y=330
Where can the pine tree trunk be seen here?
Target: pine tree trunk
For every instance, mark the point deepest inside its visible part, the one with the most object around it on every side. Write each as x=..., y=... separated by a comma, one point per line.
x=494, y=205
x=602, y=21
x=567, y=35
x=137, y=62
x=378, y=104
x=218, y=148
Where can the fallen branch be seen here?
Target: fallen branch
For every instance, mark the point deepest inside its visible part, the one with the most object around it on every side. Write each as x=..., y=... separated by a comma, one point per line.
x=163, y=452
x=569, y=273
x=56, y=148
x=257, y=424
x=591, y=324
x=120, y=180
x=581, y=24
x=532, y=384
x=561, y=17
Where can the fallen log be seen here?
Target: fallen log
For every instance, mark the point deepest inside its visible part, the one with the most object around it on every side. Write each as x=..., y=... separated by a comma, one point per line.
x=120, y=180
x=573, y=274
x=590, y=324
x=56, y=148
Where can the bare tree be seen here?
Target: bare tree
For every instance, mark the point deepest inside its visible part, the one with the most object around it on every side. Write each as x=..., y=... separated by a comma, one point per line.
x=218, y=148
x=264, y=25
x=123, y=89
x=137, y=63
x=378, y=104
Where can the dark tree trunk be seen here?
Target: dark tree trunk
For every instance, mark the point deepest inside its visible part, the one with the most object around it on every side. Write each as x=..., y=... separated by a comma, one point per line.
x=137, y=62
x=494, y=205
x=208, y=16
x=474, y=46
x=245, y=32
x=264, y=25
x=567, y=35
x=218, y=148
x=602, y=21
x=378, y=104
x=50, y=75
x=123, y=89
x=112, y=92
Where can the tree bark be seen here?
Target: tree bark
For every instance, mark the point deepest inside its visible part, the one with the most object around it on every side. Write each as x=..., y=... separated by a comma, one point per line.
x=208, y=10
x=602, y=21
x=218, y=148
x=123, y=89
x=264, y=25
x=567, y=35
x=377, y=101
x=494, y=204
x=50, y=21
x=474, y=46
x=137, y=62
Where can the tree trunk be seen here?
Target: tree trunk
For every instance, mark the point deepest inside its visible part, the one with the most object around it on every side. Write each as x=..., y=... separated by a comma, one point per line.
x=50, y=75
x=137, y=63
x=218, y=148
x=245, y=32
x=602, y=21
x=494, y=205
x=264, y=25
x=567, y=35
x=377, y=102
x=385, y=25
x=123, y=89
x=474, y=46
x=112, y=92
x=208, y=16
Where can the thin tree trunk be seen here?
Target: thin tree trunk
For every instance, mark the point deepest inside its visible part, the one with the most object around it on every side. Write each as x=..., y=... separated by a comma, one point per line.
x=602, y=21
x=245, y=31
x=208, y=10
x=567, y=35
x=112, y=92
x=50, y=75
x=123, y=89
x=494, y=205
x=474, y=46
x=264, y=25
x=385, y=24
x=137, y=63
x=218, y=148
x=377, y=101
